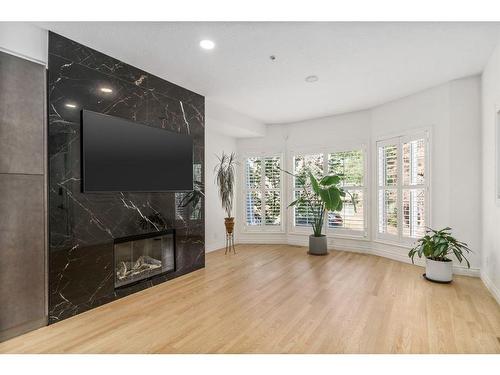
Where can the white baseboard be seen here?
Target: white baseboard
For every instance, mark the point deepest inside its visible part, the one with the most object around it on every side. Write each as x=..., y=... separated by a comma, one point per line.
x=495, y=292
x=460, y=270
x=209, y=247
x=394, y=255
x=297, y=240
x=333, y=243
x=261, y=239
x=351, y=248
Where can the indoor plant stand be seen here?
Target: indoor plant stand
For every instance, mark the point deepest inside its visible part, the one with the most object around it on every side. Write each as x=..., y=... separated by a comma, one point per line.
x=229, y=223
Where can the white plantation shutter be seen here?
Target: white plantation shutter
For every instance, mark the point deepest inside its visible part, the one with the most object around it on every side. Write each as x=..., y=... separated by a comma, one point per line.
x=254, y=208
x=272, y=191
x=402, y=187
x=263, y=191
x=302, y=164
x=350, y=165
x=388, y=188
x=253, y=183
x=414, y=188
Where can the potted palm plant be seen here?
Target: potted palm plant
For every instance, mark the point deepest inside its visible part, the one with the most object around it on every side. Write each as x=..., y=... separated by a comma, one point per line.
x=318, y=196
x=437, y=246
x=225, y=177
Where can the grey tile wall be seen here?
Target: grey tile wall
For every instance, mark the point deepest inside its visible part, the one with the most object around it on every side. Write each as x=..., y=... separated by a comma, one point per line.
x=22, y=96
x=22, y=260
x=23, y=291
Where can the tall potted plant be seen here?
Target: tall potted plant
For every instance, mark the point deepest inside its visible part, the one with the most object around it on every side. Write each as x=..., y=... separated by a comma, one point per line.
x=319, y=195
x=225, y=177
x=437, y=246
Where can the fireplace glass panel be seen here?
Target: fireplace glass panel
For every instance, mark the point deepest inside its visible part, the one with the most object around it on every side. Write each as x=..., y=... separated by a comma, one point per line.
x=143, y=258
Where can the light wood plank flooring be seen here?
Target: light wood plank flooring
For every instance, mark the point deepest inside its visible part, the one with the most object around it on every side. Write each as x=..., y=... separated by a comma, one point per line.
x=278, y=299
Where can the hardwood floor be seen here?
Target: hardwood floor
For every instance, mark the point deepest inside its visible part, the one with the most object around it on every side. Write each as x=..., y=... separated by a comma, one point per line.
x=278, y=299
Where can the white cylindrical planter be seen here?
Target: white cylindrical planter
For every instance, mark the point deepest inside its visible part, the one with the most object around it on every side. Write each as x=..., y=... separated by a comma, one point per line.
x=438, y=271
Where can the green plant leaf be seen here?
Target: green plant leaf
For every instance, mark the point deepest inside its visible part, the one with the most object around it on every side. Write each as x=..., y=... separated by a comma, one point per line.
x=340, y=206
x=295, y=202
x=330, y=197
x=314, y=183
x=439, y=244
x=330, y=180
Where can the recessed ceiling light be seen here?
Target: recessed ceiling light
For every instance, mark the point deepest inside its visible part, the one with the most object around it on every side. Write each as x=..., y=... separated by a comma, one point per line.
x=207, y=44
x=311, y=79
x=70, y=105
x=107, y=90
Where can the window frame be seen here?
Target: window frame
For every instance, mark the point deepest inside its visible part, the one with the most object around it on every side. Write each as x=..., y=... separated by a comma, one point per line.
x=399, y=140
x=331, y=232
x=262, y=228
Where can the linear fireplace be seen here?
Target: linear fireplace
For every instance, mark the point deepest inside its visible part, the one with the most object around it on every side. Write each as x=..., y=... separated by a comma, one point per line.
x=143, y=256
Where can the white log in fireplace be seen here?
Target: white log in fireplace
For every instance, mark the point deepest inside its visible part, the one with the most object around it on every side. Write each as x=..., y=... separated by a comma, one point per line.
x=143, y=256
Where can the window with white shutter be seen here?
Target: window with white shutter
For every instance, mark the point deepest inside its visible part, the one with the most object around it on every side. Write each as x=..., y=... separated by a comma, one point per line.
x=388, y=188
x=403, y=186
x=263, y=192
x=350, y=166
x=301, y=165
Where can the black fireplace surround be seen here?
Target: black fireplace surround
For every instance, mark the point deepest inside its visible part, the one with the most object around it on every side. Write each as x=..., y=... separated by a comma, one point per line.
x=84, y=229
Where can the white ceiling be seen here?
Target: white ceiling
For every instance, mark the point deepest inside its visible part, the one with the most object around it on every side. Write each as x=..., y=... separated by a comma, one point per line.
x=359, y=65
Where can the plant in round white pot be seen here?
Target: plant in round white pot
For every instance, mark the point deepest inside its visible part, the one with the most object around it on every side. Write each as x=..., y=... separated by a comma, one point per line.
x=436, y=246
x=319, y=196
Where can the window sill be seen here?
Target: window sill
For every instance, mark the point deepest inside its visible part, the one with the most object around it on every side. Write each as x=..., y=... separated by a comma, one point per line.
x=393, y=243
x=360, y=237
x=263, y=231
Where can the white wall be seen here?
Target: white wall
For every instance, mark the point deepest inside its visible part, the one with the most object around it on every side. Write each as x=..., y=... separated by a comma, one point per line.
x=222, y=126
x=24, y=40
x=231, y=123
x=215, y=143
x=490, y=270
x=452, y=114
x=465, y=164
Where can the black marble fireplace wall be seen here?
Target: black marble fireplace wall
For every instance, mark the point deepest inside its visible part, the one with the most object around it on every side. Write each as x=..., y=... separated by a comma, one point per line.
x=82, y=226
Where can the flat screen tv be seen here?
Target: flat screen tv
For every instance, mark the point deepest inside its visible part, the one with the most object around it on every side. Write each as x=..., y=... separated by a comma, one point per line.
x=122, y=155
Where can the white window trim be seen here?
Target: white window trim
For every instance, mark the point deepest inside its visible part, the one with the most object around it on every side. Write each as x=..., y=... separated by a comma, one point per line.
x=400, y=240
x=330, y=232
x=242, y=216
